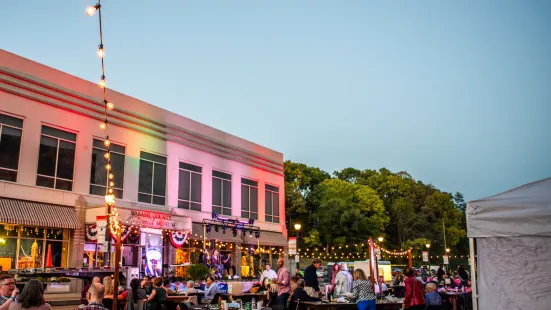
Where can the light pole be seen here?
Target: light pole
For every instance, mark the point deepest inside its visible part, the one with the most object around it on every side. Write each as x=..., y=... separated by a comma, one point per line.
x=298, y=226
x=428, y=253
x=448, y=255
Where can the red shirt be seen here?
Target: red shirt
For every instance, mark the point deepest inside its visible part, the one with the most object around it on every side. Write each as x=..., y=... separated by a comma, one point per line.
x=414, y=293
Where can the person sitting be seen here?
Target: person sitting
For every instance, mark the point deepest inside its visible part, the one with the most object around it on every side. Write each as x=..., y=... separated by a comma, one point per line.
x=95, y=295
x=268, y=274
x=382, y=285
x=85, y=291
x=299, y=295
x=432, y=298
x=166, y=286
x=32, y=297
x=134, y=296
x=8, y=291
x=158, y=295
x=211, y=290
x=190, y=288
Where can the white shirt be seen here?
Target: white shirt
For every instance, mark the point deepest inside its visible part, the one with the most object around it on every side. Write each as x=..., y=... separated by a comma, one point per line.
x=270, y=274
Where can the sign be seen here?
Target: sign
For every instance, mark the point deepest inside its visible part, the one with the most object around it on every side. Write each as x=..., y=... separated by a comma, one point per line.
x=297, y=259
x=446, y=259
x=101, y=226
x=292, y=245
x=378, y=253
x=425, y=256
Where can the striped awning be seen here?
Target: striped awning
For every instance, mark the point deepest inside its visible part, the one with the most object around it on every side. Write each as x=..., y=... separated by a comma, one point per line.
x=24, y=212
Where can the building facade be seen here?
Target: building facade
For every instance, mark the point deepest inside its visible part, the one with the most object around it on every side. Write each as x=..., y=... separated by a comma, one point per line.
x=170, y=173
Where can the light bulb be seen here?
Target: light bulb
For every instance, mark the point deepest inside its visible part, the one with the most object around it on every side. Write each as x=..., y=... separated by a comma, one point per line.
x=91, y=10
x=110, y=105
x=108, y=166
x=111, y=183
x=102, y=125
x=111, y=176
x=106, y=155
x=102, y=82
x=110, y=191
x=100, y=53
x=106, y=142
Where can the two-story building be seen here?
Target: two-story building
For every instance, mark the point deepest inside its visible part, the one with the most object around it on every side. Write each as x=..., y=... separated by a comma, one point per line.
x=170, y=172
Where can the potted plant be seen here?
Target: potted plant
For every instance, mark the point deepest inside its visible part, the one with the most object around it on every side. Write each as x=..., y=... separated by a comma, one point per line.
x=197, y=272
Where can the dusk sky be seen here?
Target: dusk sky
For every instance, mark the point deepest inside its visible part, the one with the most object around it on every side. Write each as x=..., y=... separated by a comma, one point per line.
x=457, y=94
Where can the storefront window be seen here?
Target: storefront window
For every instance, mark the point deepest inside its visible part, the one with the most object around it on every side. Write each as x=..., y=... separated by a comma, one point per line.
x=8, y=248
x=9, y=230
x=32, y=232
x=56, y=254
x=30, y=253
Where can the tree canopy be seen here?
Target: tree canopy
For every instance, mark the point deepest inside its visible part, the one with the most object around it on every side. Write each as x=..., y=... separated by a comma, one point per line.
x=351, y=205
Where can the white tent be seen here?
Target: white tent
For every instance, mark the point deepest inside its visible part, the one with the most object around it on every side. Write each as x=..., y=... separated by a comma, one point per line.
x=512, y=233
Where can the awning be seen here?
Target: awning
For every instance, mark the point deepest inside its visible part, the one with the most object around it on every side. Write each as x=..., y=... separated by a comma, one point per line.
x=266, y=237
x=24, y=212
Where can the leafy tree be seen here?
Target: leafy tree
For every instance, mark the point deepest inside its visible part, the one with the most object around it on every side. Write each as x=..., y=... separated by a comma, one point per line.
x=459, y=202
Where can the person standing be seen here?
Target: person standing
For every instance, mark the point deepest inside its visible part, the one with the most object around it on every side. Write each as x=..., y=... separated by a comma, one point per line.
x=8, y=291
x=31, y=297
x=284, y=283
x=362, y=291
x=440, y=273
x=228, y=264
x=343, y=281
x=415, y=299
x=311, y=275
x=146, y=285
x=268, y=274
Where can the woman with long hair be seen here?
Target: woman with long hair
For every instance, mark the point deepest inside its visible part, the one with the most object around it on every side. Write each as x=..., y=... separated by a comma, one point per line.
x=158, y=295
x=32, y=297
x=363, y=292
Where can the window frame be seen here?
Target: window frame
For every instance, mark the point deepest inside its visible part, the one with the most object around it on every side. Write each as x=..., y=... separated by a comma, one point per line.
x=250, y=184
x=153, y=178
x=190, y=201
x=106, y=172
x=271, y=192
x=222, y=179
x=2, y=125
x=57, y=157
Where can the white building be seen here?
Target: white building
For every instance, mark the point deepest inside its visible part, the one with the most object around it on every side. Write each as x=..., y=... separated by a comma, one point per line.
x=174, y=169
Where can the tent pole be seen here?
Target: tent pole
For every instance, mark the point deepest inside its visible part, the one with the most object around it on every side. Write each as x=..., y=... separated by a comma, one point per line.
x=473, y=274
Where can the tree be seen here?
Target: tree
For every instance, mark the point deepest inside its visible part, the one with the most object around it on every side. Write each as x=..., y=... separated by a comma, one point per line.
x=459, y=202
x=349, y=212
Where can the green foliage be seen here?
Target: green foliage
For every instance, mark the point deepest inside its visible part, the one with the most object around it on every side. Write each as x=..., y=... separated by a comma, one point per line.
x=357, y=204
x=197, y=272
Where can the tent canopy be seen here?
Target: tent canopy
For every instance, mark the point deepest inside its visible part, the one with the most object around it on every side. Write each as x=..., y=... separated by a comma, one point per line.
x=522, y=211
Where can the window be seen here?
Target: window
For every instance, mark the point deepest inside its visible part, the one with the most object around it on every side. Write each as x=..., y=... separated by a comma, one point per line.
x=152, y=179
x=56, y=159
x=10, y=145
x=221, y=193
x=272, y=204
x=189, y=187
x=249, y=199
x=99, y=175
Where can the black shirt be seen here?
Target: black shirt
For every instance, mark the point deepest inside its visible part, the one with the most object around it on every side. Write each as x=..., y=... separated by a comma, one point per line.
x=311, y=277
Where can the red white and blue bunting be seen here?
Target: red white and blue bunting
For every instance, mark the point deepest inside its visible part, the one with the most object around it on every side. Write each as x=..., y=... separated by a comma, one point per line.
x=178, y=238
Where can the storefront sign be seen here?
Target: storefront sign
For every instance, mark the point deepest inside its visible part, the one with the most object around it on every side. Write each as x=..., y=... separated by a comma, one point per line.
x=150, y=219
x=425, y=256
x=101, y=227
x=292, y=245
x=446, y=259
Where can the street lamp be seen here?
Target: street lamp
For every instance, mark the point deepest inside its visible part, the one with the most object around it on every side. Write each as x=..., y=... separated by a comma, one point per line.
x=381, y=239
x=428, y=253
x=298, y=226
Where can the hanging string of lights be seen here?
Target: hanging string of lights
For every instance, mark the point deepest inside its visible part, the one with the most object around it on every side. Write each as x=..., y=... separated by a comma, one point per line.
x=114, y=222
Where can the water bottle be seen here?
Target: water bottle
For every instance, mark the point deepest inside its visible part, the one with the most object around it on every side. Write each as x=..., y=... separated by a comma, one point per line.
x=253, y=303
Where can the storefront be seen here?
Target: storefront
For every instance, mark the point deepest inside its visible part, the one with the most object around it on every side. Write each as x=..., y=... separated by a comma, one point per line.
x=149, y=239
x=35, y=235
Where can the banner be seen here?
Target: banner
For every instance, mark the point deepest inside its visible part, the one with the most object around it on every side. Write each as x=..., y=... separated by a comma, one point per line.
x=297, y=259
x=425, y=256
x=446, y=259
x=292, y=245
x=101, y=227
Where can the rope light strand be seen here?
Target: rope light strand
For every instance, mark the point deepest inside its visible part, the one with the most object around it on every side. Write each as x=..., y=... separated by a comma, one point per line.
x=114, y=221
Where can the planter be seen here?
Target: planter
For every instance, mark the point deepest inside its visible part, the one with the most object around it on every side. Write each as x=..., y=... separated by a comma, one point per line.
x=58, y=287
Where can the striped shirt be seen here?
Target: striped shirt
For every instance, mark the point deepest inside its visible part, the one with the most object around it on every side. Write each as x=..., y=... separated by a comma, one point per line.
x=363, y=290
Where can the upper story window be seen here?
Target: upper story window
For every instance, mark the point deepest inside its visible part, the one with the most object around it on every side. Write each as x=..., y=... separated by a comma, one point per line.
x=189, y=187
x=272, y=203
x=10, y=146
x=249, y=199
x=56, y=159
x=99, y=175
x=221, y=193
x=152, y=179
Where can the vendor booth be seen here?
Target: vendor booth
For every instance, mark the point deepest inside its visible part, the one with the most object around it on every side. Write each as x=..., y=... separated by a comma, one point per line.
x=511, y=233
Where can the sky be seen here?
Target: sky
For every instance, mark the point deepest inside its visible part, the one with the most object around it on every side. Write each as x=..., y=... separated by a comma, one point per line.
x=457, y=93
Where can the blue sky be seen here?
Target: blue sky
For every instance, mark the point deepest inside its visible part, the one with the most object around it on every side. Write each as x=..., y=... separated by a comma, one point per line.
x=456, y=93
